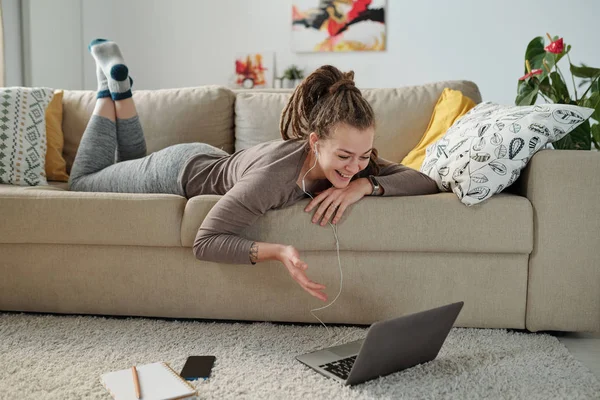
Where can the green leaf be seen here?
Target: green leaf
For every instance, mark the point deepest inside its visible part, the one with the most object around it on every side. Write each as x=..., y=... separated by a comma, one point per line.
x=593, y=102
x=560, y=87
x=595, y=85
x=583, y=82
x=579, y=138
x=547, y=89
x=584, y=71
x=596, y=135
x=566, y=143
x=526, y=93
x=561, y=55
x=535, y=53
x=551, y=62
x=293, y=72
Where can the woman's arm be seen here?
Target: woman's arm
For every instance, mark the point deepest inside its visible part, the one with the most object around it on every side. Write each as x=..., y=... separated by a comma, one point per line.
x=290, y=257
x=263, y=251
x=219, y=238
x=400, y=180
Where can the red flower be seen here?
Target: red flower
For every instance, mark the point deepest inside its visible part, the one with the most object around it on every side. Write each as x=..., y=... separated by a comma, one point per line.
x=532, y=73
x=556, y=47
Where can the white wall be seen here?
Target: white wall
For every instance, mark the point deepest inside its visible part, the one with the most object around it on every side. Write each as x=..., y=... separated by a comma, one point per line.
x=52, y=42
x=13, y=52
x=193, y=42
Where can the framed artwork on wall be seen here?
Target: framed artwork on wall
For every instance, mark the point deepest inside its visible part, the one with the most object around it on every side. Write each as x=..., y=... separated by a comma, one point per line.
x=338, y=25
x=254, y=70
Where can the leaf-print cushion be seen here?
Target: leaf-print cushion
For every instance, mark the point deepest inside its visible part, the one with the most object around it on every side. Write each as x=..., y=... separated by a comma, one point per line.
x=484, y=152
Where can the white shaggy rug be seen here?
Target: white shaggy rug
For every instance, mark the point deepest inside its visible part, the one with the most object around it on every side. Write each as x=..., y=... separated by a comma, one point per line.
x=62, y=357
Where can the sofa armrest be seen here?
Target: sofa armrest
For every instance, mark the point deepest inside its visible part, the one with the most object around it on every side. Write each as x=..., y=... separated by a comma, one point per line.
x=563, y=187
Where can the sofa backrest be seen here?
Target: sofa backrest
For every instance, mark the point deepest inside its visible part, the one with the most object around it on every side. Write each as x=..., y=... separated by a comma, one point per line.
x=168, y=116
x=238, y=119
x=402, y=114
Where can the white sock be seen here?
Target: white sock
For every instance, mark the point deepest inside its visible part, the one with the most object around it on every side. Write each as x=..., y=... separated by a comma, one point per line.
x=110, y=60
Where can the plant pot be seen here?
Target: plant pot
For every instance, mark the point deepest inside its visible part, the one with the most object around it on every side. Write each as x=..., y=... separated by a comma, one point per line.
x=288, y=83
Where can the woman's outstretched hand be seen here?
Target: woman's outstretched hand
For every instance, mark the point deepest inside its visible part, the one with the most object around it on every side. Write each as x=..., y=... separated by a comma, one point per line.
x=291, y=259
x=334, y=201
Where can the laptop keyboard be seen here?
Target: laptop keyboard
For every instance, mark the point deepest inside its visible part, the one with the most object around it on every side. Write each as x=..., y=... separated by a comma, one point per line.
x=341, y=367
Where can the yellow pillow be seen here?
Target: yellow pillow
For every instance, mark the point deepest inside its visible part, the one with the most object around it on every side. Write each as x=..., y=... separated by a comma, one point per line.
x=56, y=166
x=451, y=105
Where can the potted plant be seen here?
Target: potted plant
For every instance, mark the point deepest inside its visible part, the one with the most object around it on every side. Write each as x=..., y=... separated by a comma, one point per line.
x=544, y=78
x=293, y=76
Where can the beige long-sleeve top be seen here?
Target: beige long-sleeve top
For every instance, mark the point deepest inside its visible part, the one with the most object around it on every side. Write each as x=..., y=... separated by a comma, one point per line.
x=255, y=180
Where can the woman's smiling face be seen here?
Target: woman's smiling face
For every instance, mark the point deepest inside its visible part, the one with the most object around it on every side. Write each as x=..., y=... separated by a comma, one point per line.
x=344, y=153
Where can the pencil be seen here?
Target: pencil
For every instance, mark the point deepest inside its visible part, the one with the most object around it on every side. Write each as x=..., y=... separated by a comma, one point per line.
x=136, y=382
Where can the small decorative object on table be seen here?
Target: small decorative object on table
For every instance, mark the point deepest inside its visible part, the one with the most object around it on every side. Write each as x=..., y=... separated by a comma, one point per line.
x=254, y=71
x=292, y=76
x=543, y=77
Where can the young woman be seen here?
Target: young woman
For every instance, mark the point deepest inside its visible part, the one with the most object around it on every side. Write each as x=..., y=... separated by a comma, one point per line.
x=327, y=148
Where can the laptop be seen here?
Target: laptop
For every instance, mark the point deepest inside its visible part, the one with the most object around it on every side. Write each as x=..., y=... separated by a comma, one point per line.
x=390, y=346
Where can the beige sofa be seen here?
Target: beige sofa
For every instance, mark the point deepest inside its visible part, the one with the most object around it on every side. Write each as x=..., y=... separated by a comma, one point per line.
x=527, y=258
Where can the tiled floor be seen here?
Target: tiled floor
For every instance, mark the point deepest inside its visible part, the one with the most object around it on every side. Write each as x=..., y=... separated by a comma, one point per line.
x=585, y=347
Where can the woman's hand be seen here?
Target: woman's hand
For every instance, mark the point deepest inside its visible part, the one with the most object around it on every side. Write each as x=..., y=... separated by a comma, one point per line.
x=334, y=200
x=291, y=259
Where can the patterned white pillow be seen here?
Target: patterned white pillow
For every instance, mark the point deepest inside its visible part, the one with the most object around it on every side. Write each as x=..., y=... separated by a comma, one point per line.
x=23, y=135
x=484, y=152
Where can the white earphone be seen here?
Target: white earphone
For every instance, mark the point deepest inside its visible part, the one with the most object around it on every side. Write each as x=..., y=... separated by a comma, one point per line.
x=337, y=245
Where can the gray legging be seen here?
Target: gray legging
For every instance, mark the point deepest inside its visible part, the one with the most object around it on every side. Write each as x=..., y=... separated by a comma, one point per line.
x=105, y=142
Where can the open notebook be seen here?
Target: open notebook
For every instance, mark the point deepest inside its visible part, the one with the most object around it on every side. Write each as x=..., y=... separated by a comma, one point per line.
x=157, y=381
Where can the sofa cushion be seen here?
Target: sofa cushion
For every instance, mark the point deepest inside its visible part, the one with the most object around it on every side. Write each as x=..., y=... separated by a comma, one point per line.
x=23, y=135
x=451, y=106
x=168, y=116
x=56, y=166
x=484, y=152
x=433, y=223
x=52, y=214
x=402, y=114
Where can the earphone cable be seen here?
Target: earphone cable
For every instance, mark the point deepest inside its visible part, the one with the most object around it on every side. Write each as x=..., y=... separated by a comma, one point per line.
x=337, y=245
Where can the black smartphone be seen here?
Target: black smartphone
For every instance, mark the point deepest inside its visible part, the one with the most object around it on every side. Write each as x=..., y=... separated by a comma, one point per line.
x=197, y=367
